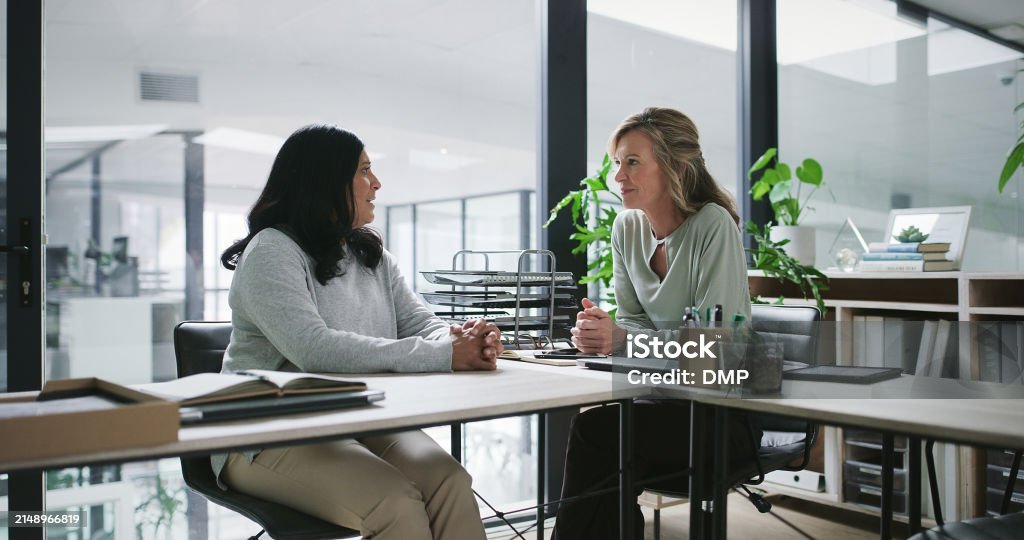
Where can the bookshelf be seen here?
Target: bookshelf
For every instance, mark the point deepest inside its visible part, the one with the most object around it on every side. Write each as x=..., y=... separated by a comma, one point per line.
x=984, y=323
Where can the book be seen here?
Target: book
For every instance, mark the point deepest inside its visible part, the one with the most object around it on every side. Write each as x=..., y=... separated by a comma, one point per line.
x=893, y=256
x=934, y=256
x=924, y=353
x=529, y=356
x=942, y=337
x=989, y=356
x=890, y=266
x=874, y=346
x=1010, y=352
x=213, y=387
x=911, y=247
x=939, y=266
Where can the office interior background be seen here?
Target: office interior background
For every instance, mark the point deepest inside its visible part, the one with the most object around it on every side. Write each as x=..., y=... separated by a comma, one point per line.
x=152, y=107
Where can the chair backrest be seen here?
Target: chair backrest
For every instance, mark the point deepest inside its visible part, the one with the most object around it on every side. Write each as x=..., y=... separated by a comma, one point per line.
x=796, y=327
x=199, y=346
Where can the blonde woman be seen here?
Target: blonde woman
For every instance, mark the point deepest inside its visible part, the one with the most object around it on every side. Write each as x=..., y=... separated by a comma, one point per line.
x=676, y=244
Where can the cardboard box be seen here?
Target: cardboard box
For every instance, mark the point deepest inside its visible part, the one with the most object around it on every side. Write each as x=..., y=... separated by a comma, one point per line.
x=92, y=415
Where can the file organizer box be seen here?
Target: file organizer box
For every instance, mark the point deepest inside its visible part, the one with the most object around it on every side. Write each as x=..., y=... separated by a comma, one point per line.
x=862, y=470
x=503, y=296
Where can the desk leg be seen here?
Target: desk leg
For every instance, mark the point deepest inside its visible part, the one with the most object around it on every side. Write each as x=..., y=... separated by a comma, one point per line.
x=542, y=467
x=698, y=467
x=626, y=498
x=26, y=493
x=719, y=505
x=887, y=485
x=914, y=489
x=456, y=440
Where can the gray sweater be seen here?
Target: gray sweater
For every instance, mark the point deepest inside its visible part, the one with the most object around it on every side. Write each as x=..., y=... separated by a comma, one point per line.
x=706, y=266
x=363, y=321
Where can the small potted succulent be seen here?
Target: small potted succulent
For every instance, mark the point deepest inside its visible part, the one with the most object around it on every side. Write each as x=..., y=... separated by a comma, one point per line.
x=910, y=235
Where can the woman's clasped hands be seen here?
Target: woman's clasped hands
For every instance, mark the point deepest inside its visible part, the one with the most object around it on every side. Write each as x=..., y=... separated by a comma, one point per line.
x=476, y=345
x=595, y=332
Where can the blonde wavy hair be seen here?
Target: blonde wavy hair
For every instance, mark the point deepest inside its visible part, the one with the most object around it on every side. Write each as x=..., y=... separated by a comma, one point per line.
x=677, y=149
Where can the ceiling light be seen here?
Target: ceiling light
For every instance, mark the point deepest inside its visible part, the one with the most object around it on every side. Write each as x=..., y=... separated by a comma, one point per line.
x=62, y=134
x=240, y=139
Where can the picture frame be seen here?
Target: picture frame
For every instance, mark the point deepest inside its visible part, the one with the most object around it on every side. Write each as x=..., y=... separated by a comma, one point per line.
x=941, y=224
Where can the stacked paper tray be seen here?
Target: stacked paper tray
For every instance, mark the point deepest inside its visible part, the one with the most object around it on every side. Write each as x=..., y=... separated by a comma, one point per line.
x=496, y=299
x=498, y=279
x=508, y=322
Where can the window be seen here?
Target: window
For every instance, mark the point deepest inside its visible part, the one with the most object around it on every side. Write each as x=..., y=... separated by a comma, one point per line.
x=911, y=115
x=162, y=123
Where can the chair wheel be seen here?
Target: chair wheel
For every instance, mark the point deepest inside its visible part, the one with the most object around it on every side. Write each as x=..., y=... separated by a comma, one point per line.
x=760, y=503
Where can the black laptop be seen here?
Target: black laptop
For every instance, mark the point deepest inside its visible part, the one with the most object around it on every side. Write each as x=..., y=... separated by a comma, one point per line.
x=274, y=406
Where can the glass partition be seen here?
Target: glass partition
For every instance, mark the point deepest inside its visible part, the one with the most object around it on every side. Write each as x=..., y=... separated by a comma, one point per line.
x=909, y=115
x=162, y=123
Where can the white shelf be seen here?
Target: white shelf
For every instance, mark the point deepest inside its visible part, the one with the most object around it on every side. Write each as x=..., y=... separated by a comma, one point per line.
x=871, y=304
x=1008, y=311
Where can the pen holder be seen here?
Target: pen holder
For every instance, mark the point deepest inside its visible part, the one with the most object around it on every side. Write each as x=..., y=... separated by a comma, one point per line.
x=757, y=358
x=706, y=365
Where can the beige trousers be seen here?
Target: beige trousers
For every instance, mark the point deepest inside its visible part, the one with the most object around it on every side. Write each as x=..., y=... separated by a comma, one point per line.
x=402, y=486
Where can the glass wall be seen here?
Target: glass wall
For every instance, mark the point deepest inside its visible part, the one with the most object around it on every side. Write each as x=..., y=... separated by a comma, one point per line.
x=912, y=114
x=162, y=121
x=664, y=53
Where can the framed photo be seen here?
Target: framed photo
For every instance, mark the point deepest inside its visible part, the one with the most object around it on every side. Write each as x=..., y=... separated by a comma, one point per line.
x=941, y=224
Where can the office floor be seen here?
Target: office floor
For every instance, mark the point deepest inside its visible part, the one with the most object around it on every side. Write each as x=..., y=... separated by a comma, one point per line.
x=790, y=519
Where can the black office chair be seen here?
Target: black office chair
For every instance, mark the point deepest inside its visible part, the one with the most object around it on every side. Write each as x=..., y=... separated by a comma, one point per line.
x=796, y=328
x=1001, y=527
x=199, y=348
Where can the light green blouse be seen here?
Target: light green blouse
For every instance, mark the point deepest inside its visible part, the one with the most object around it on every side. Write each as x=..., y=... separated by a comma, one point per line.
x=706, y=266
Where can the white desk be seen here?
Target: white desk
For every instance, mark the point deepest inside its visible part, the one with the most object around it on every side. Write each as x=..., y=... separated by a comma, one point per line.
x=411, y=401
x=976, y=413
x=420, y=400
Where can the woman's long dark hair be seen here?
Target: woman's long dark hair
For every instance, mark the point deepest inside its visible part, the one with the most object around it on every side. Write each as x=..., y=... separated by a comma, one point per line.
x=309, y=196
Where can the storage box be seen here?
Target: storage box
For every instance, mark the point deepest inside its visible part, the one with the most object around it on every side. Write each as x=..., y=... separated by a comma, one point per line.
x=92, y=415
x=871, y=497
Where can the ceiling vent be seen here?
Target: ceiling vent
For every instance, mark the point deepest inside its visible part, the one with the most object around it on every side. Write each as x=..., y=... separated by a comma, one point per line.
x=168, y=87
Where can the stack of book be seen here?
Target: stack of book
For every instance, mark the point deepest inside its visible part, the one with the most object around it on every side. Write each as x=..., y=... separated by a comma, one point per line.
x=909, y=257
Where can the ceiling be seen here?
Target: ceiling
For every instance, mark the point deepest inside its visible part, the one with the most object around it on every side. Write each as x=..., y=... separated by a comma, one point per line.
x=1005, y=17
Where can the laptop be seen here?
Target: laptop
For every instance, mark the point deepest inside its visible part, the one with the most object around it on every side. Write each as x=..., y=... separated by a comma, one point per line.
x=275, y=406
x=621, y=364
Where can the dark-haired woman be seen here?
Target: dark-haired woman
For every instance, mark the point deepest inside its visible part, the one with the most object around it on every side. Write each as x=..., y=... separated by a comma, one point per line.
x=314, y=290
x=675, y=245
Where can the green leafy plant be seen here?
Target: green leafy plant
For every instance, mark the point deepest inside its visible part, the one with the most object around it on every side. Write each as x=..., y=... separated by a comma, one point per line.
x=772, y=259
x=1015, y=158
x=159, y=508
x=777, y=182
x=593, y=217
x=910, y=234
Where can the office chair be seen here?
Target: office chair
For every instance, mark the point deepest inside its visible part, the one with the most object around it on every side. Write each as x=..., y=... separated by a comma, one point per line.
x=796, y=327
x=983, y=528
x=199, y=348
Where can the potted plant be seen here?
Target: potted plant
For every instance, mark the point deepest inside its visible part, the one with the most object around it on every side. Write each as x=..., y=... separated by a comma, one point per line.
x=593, y=222
x=771, y=258
x=776, y=181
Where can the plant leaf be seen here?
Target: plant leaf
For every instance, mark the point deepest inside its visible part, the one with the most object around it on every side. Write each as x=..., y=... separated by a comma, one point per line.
x=783, y=171
x=810, y=172
x=780, y=191
x=762, y=161
x=1013, y=162
x=759, y=190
